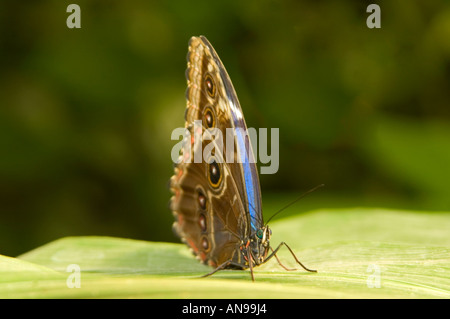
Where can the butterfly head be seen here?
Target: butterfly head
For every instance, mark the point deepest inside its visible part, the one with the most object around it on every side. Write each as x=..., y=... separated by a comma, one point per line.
x=260, y=244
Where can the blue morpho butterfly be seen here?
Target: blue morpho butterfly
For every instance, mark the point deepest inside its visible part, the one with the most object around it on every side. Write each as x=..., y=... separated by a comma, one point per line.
x=217, y=205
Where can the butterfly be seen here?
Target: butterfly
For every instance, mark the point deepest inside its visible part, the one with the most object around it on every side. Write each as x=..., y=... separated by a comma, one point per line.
x=216, y=203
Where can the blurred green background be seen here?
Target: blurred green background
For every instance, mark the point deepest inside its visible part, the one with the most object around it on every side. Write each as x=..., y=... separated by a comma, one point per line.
x=86, y=114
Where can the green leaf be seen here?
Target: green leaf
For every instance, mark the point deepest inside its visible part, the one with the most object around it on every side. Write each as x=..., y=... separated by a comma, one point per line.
x=408, y=252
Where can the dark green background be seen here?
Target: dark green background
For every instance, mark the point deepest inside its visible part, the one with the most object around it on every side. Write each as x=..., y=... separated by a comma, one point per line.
x=86, y=114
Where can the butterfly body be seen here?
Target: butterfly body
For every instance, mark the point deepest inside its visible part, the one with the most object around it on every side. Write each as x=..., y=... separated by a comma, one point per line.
x=217, y=200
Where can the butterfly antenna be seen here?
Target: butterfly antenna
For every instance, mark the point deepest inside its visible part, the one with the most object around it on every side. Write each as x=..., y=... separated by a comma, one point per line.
x=294, y=201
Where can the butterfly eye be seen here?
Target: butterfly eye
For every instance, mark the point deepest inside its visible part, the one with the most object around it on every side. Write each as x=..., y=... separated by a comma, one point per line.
x=201, y=200
x=259, y=233
x=202, y=222
x=214, y=173
x=210, y=86
x=208, y=118
x=205, y=243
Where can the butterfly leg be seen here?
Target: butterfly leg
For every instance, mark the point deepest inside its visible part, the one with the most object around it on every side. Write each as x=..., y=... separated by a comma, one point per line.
x=279, y=262
x=221, y=267
x=250, y=263
x=274, y=253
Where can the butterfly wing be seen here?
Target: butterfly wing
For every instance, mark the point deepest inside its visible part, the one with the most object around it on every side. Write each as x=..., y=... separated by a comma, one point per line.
x=216, y=204
x=245, y=164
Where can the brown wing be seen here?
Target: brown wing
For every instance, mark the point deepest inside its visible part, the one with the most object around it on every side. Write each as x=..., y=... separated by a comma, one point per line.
x=208, y=197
